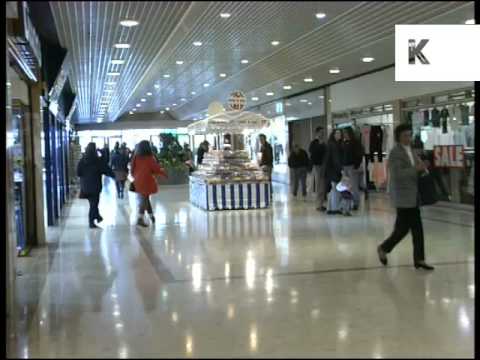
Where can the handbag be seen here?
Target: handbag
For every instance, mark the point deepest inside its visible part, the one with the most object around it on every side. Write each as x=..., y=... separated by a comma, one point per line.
x=426, y=190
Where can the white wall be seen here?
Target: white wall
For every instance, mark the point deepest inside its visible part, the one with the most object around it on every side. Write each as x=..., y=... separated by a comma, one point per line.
x=380, y=87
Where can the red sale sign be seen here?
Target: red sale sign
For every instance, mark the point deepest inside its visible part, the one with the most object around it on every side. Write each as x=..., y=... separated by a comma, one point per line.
x=449, y=156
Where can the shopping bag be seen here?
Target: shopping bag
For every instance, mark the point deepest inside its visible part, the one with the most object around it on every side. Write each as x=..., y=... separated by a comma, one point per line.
x=426, y=190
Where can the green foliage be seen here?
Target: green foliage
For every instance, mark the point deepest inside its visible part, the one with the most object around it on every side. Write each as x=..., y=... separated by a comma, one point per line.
x=171, y=155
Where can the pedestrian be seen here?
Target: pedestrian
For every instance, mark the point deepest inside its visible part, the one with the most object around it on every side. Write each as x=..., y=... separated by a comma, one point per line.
x=202, y=149
x=318, y=150
x=404, y=169
x=333, y=170
x=299, y=162
x=188, y=157
x=115, y=149
x=352, y=159
x=90, y=169
x=266, y=158
x=119, y=165
x=106, y=154
x=144, y=169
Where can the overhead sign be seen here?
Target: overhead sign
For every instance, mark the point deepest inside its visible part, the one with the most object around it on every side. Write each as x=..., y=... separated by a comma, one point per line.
x=449, y=156
x=237, y=101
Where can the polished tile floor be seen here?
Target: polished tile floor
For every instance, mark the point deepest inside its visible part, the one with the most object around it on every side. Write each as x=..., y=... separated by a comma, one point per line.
x=282, y=282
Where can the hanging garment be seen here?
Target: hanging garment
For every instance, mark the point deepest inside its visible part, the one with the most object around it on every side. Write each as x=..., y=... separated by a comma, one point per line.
x=444, y=114
x=456, y=118
x=366, y=139
x=464, y=111
x=459, y=137
x=376, y=141
x=435, y=117
x=417, y=121
x=379, y=174
x=426, y=117
x=470, y=134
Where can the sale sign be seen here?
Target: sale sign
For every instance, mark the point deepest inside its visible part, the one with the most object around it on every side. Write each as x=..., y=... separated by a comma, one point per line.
x=449, y=156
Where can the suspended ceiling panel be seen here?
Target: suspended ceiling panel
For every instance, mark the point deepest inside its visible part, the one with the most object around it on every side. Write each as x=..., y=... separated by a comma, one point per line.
x=308, y=47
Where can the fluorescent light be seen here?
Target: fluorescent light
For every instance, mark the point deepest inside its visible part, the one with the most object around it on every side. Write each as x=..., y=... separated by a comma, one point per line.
x=108, y=90
x=368, y=59
x=130, y=112
x=303, y=100
x=254, y=98
x=113, y=73
x=166, y=76
x=244, y=61
x=174, y=104
x=183, y=99
x=275, y=43
x=149, y=94
x=111, y=83
x=225, y=15
x=334, y=71
x=129, y=23
x=470, y=22
x=179, y=62
x=206, y=85
x=167, y=108
x=161, y=111
x=193, y=93
x=156, y=86
x=143, y=99
x=287, y=87
x=320, y=15
x=308, y=80
x=122, y=46
x=269, y=94
x=117, y=62
x=138, y=105
x=197, y=43
x=223, y=75
x=309, y=103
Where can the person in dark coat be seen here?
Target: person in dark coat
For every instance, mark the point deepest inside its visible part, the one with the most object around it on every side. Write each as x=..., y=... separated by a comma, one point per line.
x=266, y=158
x=318, y=150
x=90, y=169
x=333, y=170
x=106, y=154
x=299, y=162
x=352, y=159
x=119, y=163
x=202, y=149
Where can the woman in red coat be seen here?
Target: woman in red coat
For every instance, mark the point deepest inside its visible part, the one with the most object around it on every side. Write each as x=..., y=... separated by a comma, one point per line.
x=144, y=169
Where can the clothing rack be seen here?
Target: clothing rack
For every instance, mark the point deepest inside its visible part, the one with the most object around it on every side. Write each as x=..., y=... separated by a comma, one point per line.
x=439, y=104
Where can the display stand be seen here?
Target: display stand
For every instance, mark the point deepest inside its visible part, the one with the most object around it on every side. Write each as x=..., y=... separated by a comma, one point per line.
x=228, y=179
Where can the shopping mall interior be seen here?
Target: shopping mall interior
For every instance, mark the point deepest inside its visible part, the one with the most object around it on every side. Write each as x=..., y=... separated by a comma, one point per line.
x=231, y=260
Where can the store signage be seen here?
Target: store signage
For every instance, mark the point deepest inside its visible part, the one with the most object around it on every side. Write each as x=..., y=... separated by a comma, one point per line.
x=449, y=156
x=237, y=101
x=420, y=52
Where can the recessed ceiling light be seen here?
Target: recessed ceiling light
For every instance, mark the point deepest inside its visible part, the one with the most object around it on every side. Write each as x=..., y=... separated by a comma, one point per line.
x=206, y=85
x=129, y=23
x=244, y=61
x=309, y=103
x=308, y=79
x=179, y=62
x=122, y=46
x=138, y=105
x=254, y=98
x=161, y=111
x=303, y=100
x=143, y=100
x=334, y=71
x=320, y=15
x=117, y=62
x=130, y=112
x=225, y=15
x=166, y=76
x=275, y=43
x=156, y=86
x=223, y=75
x=167, y=108
x=321, y=97
x=193, y=93
x=269, y=94
x=183, y=99
x=112, y=73
x=368, y=59
x=174, y=104
x=149, y=94
x=287, y=87
x=197, y=43
x=134, y=109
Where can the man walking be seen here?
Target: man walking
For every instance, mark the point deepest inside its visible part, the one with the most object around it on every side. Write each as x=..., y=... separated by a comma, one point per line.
x=266, y=160
x=317, y=150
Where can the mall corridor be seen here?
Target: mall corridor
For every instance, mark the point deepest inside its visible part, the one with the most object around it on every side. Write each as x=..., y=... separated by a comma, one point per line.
x=280, y=282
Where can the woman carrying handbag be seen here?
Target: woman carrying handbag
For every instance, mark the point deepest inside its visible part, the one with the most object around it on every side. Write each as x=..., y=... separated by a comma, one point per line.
x=405, y=172
x=144, y=169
